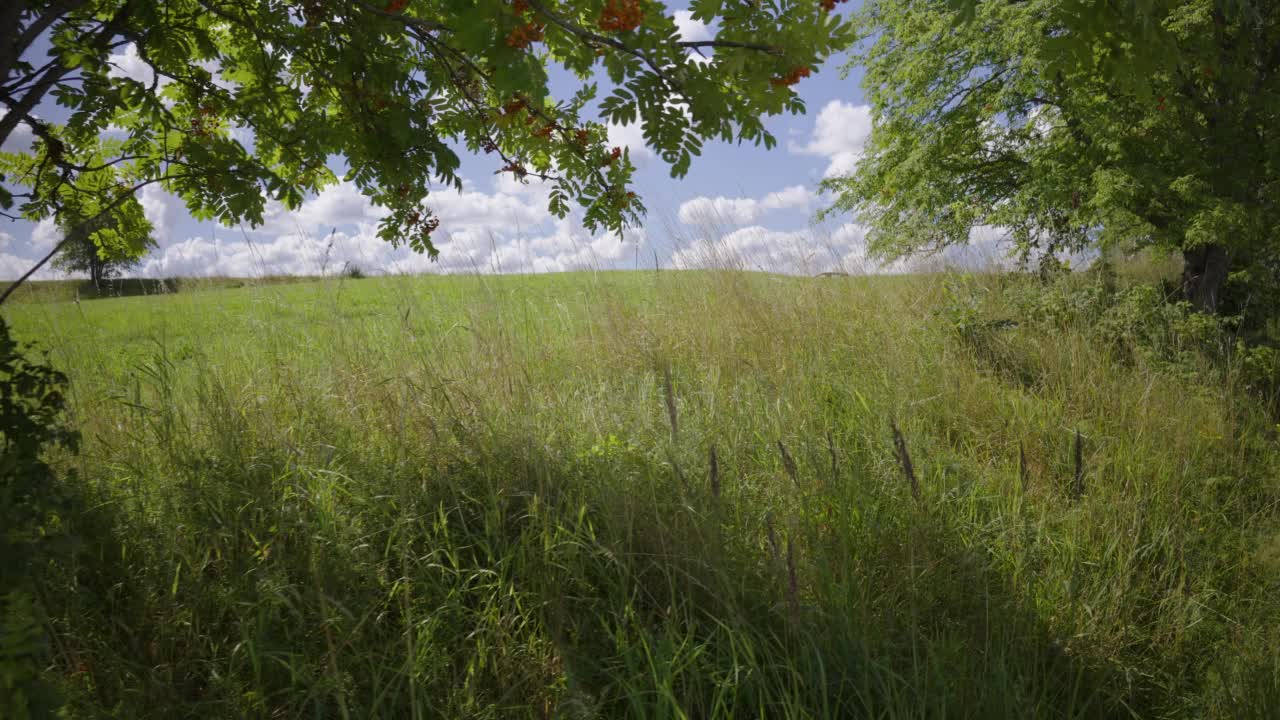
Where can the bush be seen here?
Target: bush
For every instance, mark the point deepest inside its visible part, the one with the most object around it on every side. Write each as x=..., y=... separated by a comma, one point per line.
x=32, y=513
x=1144, y=323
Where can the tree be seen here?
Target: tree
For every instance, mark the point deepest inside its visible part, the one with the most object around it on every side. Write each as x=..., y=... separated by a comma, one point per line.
x=1078, y=125
x=249, y=100
x=101, y=260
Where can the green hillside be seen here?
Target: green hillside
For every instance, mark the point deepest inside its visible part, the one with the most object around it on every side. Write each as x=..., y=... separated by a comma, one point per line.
x=664, y=495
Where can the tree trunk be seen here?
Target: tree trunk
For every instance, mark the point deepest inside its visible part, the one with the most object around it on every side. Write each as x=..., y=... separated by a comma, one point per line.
x=1204, y=271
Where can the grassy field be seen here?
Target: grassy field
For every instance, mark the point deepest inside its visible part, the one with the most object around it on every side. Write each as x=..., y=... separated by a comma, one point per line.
x=661, y=495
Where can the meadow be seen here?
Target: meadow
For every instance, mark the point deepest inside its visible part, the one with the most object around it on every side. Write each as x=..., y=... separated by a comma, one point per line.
x=662, y=494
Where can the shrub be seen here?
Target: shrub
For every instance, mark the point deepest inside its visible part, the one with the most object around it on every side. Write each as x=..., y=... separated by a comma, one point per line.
x=33, y=509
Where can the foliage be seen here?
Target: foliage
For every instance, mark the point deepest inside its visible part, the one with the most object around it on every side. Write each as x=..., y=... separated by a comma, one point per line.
x=1076, y=125
x=106, y=253
x=31, y=515
x=241, y=103
x=461, y=497
x=1139, y=323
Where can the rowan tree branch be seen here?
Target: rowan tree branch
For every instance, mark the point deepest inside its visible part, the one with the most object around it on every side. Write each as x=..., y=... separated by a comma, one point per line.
x=714, y=44
x=585, y=34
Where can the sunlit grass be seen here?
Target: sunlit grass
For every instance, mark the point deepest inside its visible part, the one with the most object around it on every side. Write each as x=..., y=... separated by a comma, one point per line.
x=463, y=497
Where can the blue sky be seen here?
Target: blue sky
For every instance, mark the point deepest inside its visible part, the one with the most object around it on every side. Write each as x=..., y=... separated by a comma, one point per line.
x=739, y=206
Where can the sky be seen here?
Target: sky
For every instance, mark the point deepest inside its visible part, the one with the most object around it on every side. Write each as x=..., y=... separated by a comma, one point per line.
x=740, y=206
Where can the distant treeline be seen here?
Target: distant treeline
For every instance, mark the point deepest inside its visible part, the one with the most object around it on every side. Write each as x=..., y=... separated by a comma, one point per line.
x=45, y=291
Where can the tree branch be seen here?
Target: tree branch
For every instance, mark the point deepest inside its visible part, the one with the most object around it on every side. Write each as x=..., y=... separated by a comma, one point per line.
x=713, y=44
x=584, y=34
x=22, y=37
x=34, y=268
x=18, y=109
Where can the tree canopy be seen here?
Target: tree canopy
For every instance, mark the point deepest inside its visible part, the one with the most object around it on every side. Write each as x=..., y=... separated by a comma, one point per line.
x=100, y=255
x=1077, y=125
x=250, y=100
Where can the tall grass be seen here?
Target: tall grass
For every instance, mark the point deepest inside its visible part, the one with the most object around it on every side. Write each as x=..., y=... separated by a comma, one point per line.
x=652, y=494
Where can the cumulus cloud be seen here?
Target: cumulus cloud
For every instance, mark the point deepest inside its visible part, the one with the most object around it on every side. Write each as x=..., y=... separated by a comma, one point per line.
x=463, y=251
x=741, y=210
x=507, y=183
x=508, y=230
x=338, y=204
x=45, y=236
x=13, y=266
x=162, y=209
x=629, y=136
x=691, y=30
x=753, y=248
x=839, y=134
x=811, y=251
x=718, y=210
x=796, y=196
x=290, y=253
x=509, y=208
x=127, y=63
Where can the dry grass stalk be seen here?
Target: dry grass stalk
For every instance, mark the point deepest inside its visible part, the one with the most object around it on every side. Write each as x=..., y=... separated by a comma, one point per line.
x=1078, y=490
x=904, y=459
x=793, y=577
x=1023, y=475
x=715, y=474
x=789, y=464
x=675, y=465
x=771, y=536
x=670, y=395
x=831, y=448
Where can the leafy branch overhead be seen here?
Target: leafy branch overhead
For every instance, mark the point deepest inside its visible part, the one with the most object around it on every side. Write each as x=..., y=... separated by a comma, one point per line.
x=233, y=103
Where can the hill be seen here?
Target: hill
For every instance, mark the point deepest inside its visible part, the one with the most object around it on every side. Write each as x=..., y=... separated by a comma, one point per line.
x=665, y=494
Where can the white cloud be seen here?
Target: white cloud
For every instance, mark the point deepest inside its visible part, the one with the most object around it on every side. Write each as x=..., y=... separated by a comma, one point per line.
x=691, y=30
x=741, y=210
x=342, y=204
x=499, y=231
x=796, y=196
x=719, y=210
x=629, y=136
x=163, y=210
x=13, y=266
x=817, y=249
x=339, y=204
x=507, y=183
x=129, y=64
x=839, y=134
x=293, y=254
x=750, y=248
x=462, y=251
x=481, y=212
x=45, y=236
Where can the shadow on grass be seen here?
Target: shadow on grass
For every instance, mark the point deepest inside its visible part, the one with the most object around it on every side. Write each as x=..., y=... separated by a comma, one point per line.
x=485, y=578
